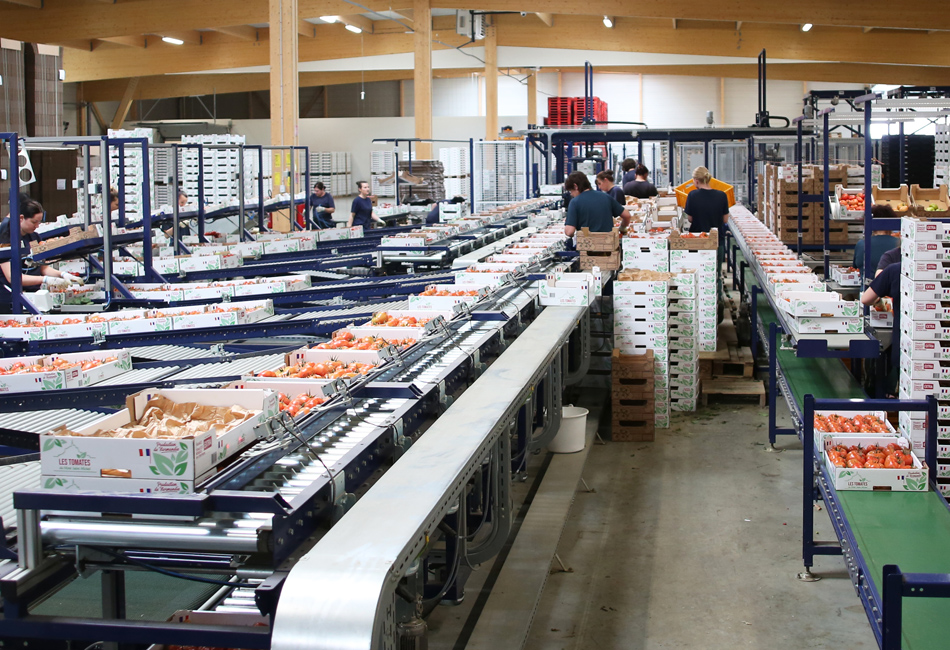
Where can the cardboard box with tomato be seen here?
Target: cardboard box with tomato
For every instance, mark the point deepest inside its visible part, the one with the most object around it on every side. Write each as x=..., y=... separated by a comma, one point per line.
x=904, y=479
x=80, y=453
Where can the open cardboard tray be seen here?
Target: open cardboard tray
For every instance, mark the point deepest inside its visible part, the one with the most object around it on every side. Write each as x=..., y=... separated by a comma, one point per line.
x=877, y=480
x=921, y=198
x=185, y=460
x=897, y=197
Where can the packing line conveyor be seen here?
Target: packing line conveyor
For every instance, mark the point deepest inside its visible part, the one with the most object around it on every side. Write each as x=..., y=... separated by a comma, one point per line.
x=257, y=524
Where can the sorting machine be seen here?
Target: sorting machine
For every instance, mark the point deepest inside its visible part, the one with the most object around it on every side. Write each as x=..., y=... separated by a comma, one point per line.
x=341, y=530
x=403, y=477
x=893, y=543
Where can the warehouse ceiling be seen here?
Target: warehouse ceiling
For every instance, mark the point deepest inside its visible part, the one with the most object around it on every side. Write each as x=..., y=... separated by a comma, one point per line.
x=107, y=43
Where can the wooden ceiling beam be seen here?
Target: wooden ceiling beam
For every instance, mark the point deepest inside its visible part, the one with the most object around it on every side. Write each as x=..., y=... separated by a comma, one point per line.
x=244, y=32
x=66, y=20
x=914, y=14
x=305, y=29
x=32, y=4
x=128, y=41
x=160, y=87
x=546, y=17
x=189, y=36
x=357, y=20
x=581, y=33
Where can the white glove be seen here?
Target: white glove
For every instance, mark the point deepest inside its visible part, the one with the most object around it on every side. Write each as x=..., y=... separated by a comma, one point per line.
x=50, y=282
x=71, y=279
x=320, y=208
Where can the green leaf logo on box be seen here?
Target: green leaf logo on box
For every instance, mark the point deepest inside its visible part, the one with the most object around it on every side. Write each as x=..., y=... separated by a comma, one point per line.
x=170, y=464
x=915, y=484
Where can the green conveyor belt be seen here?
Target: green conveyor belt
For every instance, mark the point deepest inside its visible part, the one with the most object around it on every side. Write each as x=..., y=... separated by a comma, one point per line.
x=910, y=530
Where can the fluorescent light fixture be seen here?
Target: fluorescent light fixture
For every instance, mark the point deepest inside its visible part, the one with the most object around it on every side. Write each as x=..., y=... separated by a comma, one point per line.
x=173, y=41
x=354, y=29
x=806, y=27
x=328, y=19
x=608, y=23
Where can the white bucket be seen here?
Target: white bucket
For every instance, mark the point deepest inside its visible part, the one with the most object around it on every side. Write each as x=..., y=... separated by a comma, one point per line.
x=572, y=436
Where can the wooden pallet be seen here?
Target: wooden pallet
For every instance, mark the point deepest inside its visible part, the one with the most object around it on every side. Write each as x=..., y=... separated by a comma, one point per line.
x=733, y=390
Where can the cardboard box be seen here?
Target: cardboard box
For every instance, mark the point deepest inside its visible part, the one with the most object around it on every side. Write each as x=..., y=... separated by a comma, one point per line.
x=925, y=310
x=925, y=330
x=599, y=241
x=926, y=270
x=683, y=241
x=57, y=328
x=604, y=261
x=640, y=301
x=925, y=289
x=74, y=484
x=913, y=251
x=921, y=388
x=640, y=314
x=896, y=480
x=187, y=459
x=816, y=304
x=924, y=350
x=640, y=344
x=916, y=230
x=804, y=325
x=564, y=293
x=630, y=327
x=144, y=321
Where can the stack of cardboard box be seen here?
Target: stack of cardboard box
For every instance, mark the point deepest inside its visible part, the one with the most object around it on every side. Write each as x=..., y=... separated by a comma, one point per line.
x=641, y=327
x=600, y=249
x=633, y=397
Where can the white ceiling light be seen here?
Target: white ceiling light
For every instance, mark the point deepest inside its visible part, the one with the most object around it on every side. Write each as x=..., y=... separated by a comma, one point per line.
x=806, y=27
x=173, y=41
x=328, y=19
x=608, y=22
x=354, y=29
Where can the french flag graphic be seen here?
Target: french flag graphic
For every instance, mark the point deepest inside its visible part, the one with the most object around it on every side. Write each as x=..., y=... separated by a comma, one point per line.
x=900, y=478
x=146, y=490
x=145, y=452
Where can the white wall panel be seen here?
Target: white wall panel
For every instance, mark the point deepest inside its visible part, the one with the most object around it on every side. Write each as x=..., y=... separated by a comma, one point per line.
x=673, y=101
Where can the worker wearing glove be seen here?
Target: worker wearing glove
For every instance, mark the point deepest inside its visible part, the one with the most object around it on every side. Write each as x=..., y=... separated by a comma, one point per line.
x=323, y=206
x=34, y=276
x=52, y=283
x=70, y=278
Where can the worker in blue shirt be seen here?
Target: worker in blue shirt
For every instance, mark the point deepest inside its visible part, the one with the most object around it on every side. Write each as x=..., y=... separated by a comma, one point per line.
x=629, y=167
x=892, y=256
x=881, y=240
x=605, y=183
x=887, y=284
x=361, y=211
x=589, y=209
x=321, y=202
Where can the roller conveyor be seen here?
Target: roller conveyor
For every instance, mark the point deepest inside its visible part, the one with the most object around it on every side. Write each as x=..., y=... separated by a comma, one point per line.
x=875, y=532
x=272, y=502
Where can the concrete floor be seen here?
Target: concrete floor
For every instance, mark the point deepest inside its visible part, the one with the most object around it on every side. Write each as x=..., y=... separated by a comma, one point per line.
x=691, y=541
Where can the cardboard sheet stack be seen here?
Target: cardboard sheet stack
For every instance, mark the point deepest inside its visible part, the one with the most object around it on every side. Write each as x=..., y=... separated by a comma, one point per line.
x=925, y=334
x=641, y=327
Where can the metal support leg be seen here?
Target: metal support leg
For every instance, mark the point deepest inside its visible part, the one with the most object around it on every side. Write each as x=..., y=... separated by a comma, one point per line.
x=754, y=318
x=892, y=615
x=113, y=600
x=808, y=490
x=560, y=563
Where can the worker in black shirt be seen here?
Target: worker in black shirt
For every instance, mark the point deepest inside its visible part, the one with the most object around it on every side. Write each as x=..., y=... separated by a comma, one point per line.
x=640, y=187
x=706, y=208
x=887, y=284
x=34, y=276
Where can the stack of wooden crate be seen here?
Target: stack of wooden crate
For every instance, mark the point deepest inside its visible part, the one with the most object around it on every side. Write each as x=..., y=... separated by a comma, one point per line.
x=600, y=249
x=633, y=397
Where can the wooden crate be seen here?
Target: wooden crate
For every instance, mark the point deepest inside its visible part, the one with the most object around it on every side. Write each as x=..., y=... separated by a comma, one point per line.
x=632, y=430
x=837, y=233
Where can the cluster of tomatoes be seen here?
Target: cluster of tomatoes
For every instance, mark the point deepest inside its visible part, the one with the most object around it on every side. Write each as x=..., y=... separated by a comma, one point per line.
x=470, y=270
x=694, y=235
x=66, y=321
x=321, y=370
x=858, y=424
x=192, y=312
x=382, y=319
x=892, y=456
x=851, y=269
x=299, y=405
x=15, y=323
x=346, y=340
x=432, y=291
x=21, y=368
x=224, y=310
x=853, y=202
